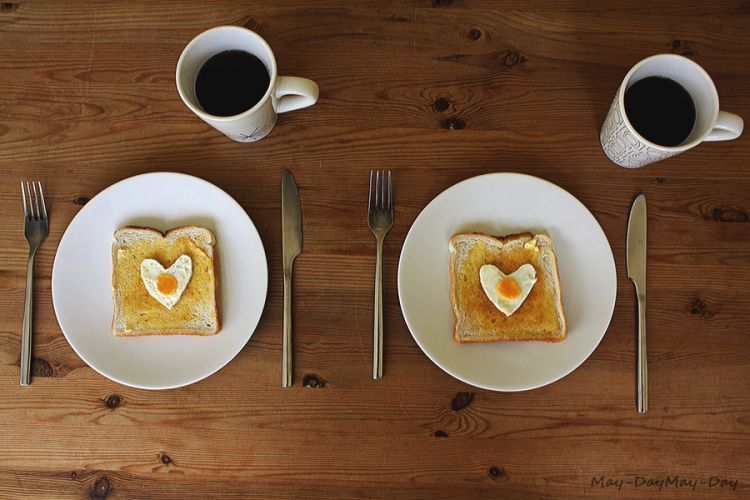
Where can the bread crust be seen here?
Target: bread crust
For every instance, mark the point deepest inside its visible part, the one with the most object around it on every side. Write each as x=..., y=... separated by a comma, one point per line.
x=501, y=240
x=214, y=262
x=149, y=333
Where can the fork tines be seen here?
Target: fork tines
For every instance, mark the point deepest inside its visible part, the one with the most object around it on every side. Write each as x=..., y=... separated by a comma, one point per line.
x=381, y=196
x=32, y=195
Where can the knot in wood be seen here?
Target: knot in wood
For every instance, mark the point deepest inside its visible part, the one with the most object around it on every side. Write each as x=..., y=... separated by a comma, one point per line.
x=101, y=489
x=513, y=59
x=462, y=400
x=313, y=381
x=40, y=368
x=496, y=472
x=452, y=124
x=254, y=25
x=697, y=308
x=682, y=47
x=113, y=401
x=729, y=214
x=474, y=34
x=441, y=104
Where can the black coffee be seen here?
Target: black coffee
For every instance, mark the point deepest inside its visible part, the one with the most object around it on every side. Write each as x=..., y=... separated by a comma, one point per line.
x=231, y=82
x=661, y=110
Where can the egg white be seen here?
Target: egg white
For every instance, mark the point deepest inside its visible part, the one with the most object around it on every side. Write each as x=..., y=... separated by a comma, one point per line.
x=181, y=270
x=490, y=276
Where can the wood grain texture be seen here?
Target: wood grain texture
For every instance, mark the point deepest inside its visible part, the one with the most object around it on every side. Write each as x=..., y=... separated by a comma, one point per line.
x=438, y=91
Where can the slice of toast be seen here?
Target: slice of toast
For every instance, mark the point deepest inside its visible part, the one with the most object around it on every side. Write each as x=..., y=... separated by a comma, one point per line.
x=136, y=312
x=540, y=316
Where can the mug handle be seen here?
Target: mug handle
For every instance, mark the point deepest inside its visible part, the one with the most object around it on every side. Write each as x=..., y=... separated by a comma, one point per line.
x=728, y=126
x=294, y=92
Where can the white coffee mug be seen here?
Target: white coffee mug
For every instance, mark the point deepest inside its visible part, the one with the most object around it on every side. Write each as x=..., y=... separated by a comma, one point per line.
x=626, y=147
x=285, y=93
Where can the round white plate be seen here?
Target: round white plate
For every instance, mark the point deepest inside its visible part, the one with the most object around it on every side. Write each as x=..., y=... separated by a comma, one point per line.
x=82, y=280
x=501, y=204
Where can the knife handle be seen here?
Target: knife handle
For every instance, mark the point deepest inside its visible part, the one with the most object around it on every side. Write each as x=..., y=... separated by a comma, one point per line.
x=286, y=357
x=642, y=356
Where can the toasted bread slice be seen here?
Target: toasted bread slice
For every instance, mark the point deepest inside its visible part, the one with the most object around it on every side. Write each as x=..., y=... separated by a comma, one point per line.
x=136, y=311
x=540, y=317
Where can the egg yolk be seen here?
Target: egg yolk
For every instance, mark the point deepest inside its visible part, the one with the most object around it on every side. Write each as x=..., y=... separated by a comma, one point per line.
x=508, y=288
x=166, y=284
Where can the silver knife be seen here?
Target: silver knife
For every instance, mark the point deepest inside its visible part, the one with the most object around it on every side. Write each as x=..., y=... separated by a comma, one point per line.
x=636, y=258
x=291, y=246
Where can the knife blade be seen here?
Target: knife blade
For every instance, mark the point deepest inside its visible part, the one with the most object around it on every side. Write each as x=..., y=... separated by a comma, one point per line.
x=636, y=262
x=636, y=248
x=291, y=247
x=291, y=219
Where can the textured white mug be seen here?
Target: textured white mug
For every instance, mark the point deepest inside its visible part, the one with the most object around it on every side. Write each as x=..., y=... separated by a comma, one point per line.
x=285, y=93
x=627, y=148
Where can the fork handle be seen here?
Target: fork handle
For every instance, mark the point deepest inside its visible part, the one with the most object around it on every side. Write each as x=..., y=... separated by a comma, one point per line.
x=28, y=316
x=377, y=350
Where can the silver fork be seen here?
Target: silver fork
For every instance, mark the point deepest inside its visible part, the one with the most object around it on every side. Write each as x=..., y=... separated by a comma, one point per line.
x=380, y=220
x=35, y=230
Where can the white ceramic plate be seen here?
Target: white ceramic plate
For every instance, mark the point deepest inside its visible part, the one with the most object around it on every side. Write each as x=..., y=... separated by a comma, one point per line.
x=82, y=280
x=501, y=204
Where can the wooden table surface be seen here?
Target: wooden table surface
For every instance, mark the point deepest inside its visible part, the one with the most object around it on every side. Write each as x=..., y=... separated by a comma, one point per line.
x=438, y=92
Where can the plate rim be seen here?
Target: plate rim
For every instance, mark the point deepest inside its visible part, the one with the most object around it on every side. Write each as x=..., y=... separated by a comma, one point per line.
x=86, y=208
x=400, y=279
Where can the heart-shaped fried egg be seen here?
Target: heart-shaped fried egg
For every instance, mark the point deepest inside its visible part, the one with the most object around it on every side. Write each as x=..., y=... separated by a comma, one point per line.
x=167, y=285
x=507, y=291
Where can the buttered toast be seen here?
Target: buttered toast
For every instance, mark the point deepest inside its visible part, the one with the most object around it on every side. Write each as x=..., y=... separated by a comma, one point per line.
x=164, y=284
x=478, y=319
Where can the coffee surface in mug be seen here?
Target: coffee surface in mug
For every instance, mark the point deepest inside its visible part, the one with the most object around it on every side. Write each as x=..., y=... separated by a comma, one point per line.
x=661, y=110
x=231, y=82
